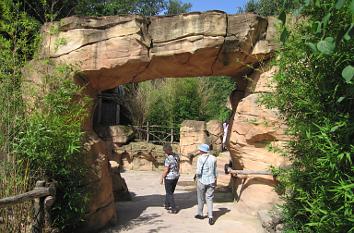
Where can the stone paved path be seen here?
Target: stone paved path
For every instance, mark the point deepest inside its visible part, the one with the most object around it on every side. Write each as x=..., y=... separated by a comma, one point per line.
x=145, y=213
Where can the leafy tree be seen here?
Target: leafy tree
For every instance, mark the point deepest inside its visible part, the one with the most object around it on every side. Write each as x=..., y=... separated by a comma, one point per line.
x=17, y=44
x=268, y=7
x=50, y=10
x=116, y=7
x=175, y=7
x=170, y=101
x=219, y=89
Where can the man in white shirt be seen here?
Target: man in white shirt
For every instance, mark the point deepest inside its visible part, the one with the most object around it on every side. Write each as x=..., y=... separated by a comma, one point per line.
x=206, y=181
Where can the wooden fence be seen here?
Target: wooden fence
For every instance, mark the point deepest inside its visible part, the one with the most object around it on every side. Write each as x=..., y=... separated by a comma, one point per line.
x=43, y=196
x=157, y=133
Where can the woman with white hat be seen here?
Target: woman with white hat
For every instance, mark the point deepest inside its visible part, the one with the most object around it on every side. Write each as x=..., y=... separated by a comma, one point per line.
x=206, y=181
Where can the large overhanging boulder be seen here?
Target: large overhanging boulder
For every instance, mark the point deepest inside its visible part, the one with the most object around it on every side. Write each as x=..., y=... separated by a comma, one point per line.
x=121, y=49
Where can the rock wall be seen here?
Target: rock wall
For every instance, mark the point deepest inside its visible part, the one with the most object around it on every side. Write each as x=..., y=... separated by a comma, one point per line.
x=256, y=134
x=102, y=207
x=192, y=134
x=140, y=156
x=119, y=186
x=216, y=132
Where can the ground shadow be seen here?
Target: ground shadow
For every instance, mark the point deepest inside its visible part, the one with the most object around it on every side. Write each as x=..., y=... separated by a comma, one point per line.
x=130, y=214
x=218, y=213
x=255, y=180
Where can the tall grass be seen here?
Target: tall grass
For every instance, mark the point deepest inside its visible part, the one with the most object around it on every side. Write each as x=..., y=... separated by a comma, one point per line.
x=13, y=181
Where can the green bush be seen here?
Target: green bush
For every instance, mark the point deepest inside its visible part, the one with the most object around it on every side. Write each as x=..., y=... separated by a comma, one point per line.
x=43, y=142
x=315, y=93
x=170, y=101
x=51, y=140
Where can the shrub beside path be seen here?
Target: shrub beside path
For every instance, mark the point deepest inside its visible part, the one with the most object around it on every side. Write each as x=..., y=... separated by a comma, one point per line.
x=145, y=213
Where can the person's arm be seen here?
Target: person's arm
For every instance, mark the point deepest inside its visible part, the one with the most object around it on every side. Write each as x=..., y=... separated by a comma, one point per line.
x=164, y=173
x=178, y=163
x=216, y=172
x=198, y=170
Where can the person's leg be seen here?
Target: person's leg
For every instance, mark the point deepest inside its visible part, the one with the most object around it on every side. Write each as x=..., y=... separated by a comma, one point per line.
x=169, y=193
x=174, y=184
x=200, y=197
x=167, y=188
x=209, y=199
x=173, y=187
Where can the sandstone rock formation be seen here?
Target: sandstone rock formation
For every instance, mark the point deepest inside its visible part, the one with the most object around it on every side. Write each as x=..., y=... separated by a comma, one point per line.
x=115, y=50
x=102, y=207
x=192, y=133
x=256, y=135
x=110, y=51
x=215, y=131
x=120, y=188
x=140, y=156
x=114, y=136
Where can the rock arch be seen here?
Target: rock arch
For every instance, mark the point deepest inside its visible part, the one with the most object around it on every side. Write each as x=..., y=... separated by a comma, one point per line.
x=115, y=50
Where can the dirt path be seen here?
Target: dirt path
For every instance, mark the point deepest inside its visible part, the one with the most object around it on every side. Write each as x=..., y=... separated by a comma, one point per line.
x=145, y=214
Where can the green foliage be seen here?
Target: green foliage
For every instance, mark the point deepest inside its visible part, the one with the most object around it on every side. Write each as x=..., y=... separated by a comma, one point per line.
x=315, y=94
x=219, y=90
x=59, y=42
x=268, y=7
x=115, y=7
x=50, y=10
x=40, y=143
x=170, y=101
x=142, y=7
x=175, y=7
x=51, y=140
x=17, y=44
x=14, y=180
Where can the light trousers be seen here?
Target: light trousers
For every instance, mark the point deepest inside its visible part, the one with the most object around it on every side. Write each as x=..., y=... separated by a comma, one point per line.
x=205, y=193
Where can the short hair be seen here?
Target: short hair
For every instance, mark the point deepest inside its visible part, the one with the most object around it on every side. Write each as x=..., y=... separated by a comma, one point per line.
x=167, y=146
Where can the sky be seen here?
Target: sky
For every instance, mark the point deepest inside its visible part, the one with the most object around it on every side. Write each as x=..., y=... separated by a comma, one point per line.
x=229, y=6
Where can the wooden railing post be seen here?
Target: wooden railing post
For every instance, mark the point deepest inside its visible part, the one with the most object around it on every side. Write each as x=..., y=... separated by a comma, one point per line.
x=38, y=206
x=43, y=197
x=172, y=135
x=147, y=132
x=48, y=203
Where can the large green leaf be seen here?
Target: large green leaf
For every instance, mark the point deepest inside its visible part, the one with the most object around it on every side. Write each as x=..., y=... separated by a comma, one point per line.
x=325, y=20
x=340, y=99
x=349, y=32
x=326, y=46
x=340, y=4
x=348, y=73
x=284, y=35
x=312, y=47
x=282, y=17
x=317, y=27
